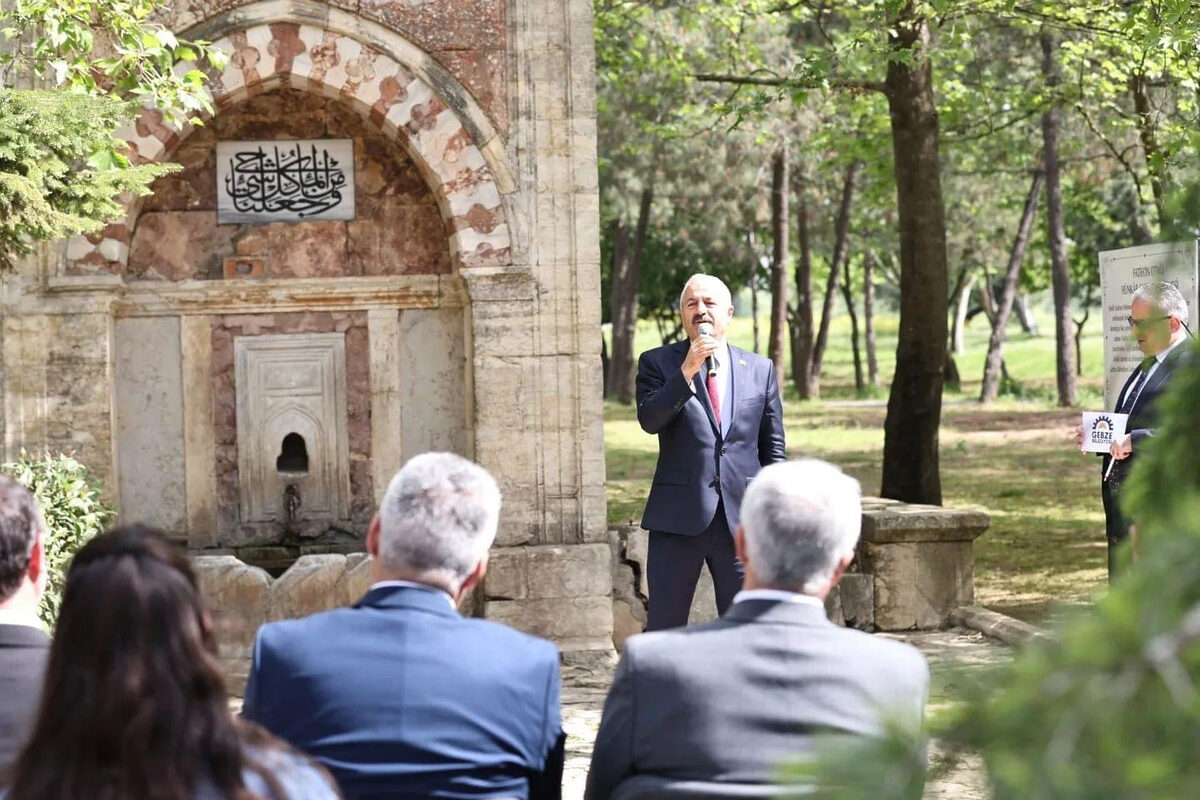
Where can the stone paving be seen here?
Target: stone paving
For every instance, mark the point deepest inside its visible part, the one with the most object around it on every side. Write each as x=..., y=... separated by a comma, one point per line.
x=951, y=653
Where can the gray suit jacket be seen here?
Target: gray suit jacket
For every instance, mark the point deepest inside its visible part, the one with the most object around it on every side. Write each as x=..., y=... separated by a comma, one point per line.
x=23, y=654
x=734, y=699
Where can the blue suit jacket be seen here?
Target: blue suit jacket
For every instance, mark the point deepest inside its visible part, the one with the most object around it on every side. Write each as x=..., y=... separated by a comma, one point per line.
x=694, y=457
x=401, y=697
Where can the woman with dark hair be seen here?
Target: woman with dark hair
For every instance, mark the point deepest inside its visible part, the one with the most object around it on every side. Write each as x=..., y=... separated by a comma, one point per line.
x=134, y=706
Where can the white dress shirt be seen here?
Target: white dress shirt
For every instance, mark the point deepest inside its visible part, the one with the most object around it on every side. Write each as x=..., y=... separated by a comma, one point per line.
x=778, y=596
x=414, y=585
x=11, y=616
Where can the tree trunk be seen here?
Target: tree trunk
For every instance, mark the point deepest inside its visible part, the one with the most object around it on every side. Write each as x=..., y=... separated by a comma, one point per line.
x=1150, y=148
x=869, y=317
x=1060, y=270
x=962, y=306
x=848, y=296
x=910, y=444
x=1079, y=323
x=987, y=296
x=841, y=239
x=604, y=360
x=754, y=267
x=779, y=231
x=993, y=363
x=618, y=298
x=624, y=298
x=802, y=324
x=1024, y=314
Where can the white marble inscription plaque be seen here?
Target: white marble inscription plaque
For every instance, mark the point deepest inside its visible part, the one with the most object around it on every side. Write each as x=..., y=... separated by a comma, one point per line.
x=285, y=181
x=292, y=385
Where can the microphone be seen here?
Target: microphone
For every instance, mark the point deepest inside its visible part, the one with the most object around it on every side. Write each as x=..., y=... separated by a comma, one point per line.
x=705, y=329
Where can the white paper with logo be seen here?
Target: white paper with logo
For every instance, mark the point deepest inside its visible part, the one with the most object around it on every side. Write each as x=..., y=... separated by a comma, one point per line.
x=1101, y=429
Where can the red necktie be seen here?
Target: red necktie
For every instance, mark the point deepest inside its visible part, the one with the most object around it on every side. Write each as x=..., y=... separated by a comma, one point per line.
x=713, y=397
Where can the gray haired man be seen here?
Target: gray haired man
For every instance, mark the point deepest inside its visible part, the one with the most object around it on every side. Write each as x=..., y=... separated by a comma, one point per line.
x=24, y=645
x=1158, y=317
x=399, y=696
x=732, y=700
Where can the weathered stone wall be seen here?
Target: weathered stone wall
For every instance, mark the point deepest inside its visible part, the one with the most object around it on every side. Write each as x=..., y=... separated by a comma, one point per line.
x=398, y=229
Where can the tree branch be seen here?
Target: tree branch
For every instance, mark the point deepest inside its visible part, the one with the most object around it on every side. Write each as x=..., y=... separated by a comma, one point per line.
x=792, y=83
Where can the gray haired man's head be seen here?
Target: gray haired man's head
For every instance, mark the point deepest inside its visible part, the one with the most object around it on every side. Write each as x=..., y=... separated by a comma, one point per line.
x=438, y=518
x=800, y=520
x=1165, y=297
x=20, y=525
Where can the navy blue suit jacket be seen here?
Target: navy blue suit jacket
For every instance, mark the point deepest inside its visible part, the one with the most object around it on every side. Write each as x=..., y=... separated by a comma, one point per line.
x=694, y=458
x=401, y=697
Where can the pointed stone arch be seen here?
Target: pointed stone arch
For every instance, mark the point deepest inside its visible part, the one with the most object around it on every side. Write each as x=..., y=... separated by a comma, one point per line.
x=399, y=99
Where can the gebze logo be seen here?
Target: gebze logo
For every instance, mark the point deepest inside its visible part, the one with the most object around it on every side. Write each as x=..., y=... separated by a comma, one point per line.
x=1102, y=430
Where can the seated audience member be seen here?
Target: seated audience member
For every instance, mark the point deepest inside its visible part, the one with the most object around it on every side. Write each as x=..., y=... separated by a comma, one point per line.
x=400, y=696
x=134, y=703
x=23, y=643
x=732, y=700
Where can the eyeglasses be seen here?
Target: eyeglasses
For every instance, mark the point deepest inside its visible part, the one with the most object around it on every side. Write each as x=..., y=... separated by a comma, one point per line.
x=1141, y=323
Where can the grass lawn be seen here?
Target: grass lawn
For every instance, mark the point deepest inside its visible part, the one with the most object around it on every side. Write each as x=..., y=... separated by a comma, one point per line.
x=1013, y=459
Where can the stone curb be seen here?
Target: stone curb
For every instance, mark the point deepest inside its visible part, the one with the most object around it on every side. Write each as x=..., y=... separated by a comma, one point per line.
x=999, y=626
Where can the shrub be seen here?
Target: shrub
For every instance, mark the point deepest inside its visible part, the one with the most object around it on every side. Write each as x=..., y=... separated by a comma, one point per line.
x=70, y=501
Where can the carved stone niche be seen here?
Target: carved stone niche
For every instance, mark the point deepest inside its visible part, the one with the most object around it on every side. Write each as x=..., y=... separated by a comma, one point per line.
x=293, y=449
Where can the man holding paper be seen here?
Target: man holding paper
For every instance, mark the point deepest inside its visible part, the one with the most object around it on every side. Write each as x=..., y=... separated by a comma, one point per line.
x=1157, y=318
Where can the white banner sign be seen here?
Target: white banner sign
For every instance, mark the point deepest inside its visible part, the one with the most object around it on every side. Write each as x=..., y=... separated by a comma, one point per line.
x=1121, y=273
x=1101, y=429
x=285, y=181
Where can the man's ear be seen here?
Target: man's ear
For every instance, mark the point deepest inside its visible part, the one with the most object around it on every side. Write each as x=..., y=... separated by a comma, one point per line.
x=37, y=563
x=842, y=566
x=373, y=537
x=472, y=580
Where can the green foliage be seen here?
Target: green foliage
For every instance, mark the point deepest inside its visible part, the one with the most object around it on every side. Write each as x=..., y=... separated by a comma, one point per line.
x=1110, y=708
x=62, y=168
x=110, y=47
x=60, y=174
x=74, y=513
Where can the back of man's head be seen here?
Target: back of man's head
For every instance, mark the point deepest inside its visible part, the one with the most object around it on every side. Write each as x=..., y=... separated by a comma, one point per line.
x=800, y=520
x=20, y=524
x=438, y=518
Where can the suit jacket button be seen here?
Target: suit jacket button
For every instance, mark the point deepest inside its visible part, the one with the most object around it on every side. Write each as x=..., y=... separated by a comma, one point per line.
x=722, y=451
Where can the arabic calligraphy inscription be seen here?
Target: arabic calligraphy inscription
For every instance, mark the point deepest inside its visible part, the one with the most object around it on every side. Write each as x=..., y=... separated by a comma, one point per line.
x=285, y=181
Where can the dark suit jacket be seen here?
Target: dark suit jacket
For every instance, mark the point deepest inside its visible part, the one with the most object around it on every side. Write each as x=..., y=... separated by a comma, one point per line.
x=732, y=700
x=401, y=697
x=1143, y=419
x=23, y=652
x=694, y=458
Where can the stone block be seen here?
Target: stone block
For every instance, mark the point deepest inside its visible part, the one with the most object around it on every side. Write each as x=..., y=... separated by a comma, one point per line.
x=312, y=584
x=237, y=595
x=358, y=577
x=856, y=593
x=557, y=618
x=918, y=584
x=565, y=571
x=889, y=521
x=507, y=576
x=148, y=386
x=433, y=382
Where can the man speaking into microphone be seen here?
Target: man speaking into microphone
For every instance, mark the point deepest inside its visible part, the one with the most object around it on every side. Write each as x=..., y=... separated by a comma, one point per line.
x=718, y=417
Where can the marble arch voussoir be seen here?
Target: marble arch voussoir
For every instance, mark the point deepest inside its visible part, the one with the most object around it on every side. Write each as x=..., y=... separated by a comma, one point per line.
x=391, y=95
